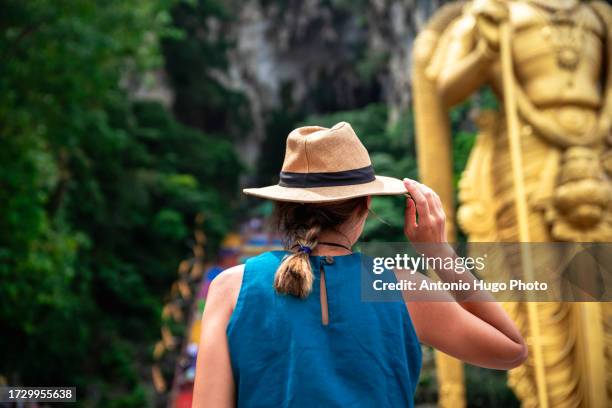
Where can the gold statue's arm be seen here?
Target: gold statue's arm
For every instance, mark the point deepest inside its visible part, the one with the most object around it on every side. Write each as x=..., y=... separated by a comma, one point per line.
x=466, y=65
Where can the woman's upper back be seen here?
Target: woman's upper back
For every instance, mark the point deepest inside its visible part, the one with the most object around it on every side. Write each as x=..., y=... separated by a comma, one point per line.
x=282, y=354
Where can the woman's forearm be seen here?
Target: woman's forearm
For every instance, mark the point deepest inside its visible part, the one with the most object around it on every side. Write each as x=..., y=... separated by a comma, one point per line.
x=468, y=325
x=480, y=303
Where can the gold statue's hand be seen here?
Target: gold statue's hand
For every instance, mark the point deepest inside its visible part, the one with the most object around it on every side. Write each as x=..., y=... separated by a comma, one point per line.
x=489, y=14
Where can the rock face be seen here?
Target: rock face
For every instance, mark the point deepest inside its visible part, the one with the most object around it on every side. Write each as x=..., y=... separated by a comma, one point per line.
x=313, y=56
x=393, y=25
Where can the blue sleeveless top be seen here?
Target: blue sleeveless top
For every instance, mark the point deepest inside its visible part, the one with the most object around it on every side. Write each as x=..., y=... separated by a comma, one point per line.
x=368, y=355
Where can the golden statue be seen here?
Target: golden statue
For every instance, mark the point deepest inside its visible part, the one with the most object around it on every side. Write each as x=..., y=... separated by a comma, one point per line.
x=540, y=170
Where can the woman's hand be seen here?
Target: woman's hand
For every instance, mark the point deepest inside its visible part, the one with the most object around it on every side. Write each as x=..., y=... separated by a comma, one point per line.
x=480, y=332
x=424, y=219
x=430, y=226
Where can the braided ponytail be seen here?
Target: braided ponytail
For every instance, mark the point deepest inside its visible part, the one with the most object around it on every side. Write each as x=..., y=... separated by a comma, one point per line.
x=301, y=225
x=294, y=275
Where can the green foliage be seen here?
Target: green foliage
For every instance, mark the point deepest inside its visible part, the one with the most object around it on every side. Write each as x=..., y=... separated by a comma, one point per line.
x=97, y=195
x=488, y=388
x=201, y=100
x=98, y=192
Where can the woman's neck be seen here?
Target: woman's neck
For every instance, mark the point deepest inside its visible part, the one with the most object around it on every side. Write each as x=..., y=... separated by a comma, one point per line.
x=332, y=243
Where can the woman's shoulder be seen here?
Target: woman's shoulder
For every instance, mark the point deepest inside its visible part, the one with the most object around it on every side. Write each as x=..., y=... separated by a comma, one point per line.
x=269, y=257
x=227, y=284
x=229, y=276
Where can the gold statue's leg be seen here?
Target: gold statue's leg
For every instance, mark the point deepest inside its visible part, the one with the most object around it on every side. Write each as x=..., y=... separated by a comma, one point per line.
x=557, y=336
x=589, y=351
x=559, y=347
x=449, y=373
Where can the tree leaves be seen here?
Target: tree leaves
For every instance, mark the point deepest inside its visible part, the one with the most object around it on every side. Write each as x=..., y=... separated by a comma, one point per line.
x=97, y=194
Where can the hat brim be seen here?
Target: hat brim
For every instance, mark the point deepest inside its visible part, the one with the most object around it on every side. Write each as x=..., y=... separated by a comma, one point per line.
x=382, y=185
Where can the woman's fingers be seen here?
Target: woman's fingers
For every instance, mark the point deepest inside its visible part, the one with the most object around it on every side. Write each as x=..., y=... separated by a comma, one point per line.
x=437, y=218
x=433, y=200
x=435, y=204
x=425, y=204
x=416, y=192
x=410, y=216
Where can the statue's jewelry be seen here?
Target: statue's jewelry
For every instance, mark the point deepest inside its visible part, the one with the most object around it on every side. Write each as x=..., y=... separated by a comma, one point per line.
x=565, y=36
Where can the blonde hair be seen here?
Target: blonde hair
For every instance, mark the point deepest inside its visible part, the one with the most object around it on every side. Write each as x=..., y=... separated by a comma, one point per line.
x=301, y=225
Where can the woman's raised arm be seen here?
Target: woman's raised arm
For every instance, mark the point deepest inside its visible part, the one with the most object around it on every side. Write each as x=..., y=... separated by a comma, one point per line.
x=478, y=332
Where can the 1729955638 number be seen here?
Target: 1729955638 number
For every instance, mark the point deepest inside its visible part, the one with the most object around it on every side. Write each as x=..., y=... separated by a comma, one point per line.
x=37, y=394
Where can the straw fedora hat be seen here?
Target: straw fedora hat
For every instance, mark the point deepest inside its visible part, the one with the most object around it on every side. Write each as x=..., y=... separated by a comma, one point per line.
x=326, y=164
